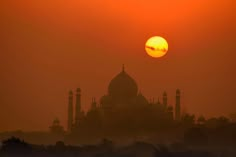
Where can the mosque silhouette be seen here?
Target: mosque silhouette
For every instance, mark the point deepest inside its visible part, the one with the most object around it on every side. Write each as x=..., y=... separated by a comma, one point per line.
x=123, y=110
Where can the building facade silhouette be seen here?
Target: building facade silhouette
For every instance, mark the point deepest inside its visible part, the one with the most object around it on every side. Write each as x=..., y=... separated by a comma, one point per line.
x=122, y=109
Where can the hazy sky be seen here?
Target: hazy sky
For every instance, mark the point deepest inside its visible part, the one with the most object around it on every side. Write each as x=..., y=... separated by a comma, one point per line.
x=48, y=47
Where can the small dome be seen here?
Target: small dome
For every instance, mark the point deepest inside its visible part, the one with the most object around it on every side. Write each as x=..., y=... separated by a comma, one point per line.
x=141, y=99
x=177, y=92
x=104, y=99
x=56, y=122
x=78, y=90
x=122, y=87
x=164, y=94
x=71, y=93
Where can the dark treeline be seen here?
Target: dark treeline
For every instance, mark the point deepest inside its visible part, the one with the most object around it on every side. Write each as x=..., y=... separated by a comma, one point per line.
x=16, y=147
x=197, y=137
x=190, y=130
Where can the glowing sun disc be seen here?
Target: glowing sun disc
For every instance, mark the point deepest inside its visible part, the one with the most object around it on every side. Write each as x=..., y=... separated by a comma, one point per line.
x=156, y=46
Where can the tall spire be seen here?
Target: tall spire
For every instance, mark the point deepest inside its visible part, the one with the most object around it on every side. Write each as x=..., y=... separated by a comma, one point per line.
x=123, y=68
x=164, y=99
x=70, y=111
x=78, y=105
x=177, y=105
x=93, y=104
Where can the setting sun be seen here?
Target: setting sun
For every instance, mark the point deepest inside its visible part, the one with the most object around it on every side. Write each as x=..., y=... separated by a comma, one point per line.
x=156, y=46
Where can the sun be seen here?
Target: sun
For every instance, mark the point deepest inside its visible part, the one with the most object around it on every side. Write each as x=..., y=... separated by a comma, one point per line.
x=156, y=46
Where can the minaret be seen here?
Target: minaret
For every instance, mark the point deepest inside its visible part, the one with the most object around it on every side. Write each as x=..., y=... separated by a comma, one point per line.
x=77, y=105
x=70, y=111
x=177, y=105
x=93, y=104
x=164, y=99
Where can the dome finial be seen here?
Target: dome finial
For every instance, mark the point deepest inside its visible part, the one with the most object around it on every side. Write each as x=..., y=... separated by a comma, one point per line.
x=123, y=68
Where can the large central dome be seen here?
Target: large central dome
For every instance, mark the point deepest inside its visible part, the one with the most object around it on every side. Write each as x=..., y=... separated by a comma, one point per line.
x=122, y=87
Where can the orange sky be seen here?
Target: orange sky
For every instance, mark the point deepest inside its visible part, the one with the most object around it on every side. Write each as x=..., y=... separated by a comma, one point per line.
x=50, y=47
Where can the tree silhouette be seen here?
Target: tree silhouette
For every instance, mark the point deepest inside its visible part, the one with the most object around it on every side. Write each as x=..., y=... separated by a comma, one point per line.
x=217, y=122
x=233, y=117
x=201, y=120
x=223, y=121
x=188, y=120
x=16, y=146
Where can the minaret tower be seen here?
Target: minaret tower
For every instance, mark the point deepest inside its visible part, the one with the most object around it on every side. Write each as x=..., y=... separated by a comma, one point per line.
x=164, y=99
x=70, y=111
x=177, y=105
x=93, y=104
x=78, y=106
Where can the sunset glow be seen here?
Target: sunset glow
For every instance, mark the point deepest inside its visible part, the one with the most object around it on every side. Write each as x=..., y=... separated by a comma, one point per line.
x=156, y=46
x=50, y=47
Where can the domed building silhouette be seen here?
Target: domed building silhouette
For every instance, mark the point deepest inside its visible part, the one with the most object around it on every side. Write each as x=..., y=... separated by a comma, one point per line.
x=122, y=110
x=122, y=88
x=122, y=91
